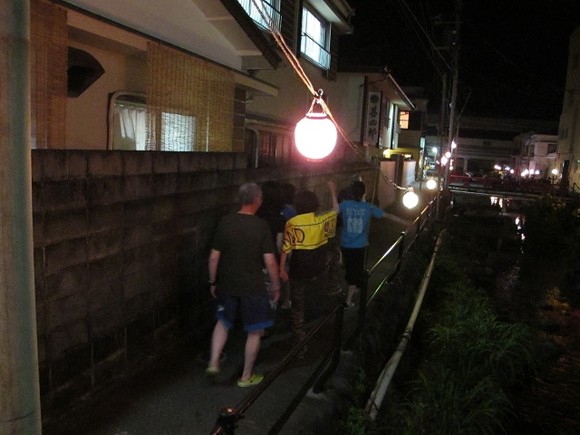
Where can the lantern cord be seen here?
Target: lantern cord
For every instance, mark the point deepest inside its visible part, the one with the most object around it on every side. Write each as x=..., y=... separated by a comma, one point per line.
x=356, y=149
x=317, y=95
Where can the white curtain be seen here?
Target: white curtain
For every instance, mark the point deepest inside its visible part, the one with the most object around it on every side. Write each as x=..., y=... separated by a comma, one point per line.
x=130, y=128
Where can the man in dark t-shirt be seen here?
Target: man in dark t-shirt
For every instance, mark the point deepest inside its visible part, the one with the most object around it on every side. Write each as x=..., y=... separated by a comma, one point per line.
x=241, y=248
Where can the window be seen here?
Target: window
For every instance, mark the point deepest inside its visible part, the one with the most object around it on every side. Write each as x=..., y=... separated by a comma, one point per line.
x=404, y=120
x=270, y=10
x=268, y=149
x=128, y=121
x=315, y=39
x=177, y=131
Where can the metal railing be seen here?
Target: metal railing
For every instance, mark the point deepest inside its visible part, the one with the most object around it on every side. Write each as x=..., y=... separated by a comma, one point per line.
x=401, y=246
x=384, y=380
x=313, y=50
x=229, y=416
x=270, y=10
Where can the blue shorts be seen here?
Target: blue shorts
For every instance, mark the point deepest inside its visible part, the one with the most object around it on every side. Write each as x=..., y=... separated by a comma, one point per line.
x=255, y=311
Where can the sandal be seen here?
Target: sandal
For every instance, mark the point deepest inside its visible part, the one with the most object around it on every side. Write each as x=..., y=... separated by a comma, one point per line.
x=254, y=380
x=212, y=371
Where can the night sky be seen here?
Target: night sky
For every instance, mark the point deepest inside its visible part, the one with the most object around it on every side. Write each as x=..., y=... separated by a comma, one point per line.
x=513, y=53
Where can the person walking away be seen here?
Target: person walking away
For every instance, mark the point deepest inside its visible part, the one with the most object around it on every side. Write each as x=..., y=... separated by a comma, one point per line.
x=288, y=193
x=288, y=212
x=271, y=212
x=305, y=238
x=356, y=217
x=241, y=247
x=347, y=193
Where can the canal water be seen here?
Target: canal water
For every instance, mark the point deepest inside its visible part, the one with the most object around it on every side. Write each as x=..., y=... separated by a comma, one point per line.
x=534, y=284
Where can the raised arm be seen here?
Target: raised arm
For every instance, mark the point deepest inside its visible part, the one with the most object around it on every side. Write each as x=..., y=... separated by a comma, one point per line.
x=332, y=188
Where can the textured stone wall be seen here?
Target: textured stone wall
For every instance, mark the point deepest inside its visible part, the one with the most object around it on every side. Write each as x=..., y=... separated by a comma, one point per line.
x=120, y=251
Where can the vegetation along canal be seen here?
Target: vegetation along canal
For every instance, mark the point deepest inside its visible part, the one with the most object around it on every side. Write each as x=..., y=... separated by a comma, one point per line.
x=497, y=349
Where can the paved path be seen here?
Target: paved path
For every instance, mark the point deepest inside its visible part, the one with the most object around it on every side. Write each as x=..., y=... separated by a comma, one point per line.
x=176, y=398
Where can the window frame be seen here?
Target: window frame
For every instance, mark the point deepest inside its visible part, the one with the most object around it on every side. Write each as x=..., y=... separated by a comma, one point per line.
x=135, y=99
x=404, y=119
x=273, y=10
x=308, y=42
x=162, y=125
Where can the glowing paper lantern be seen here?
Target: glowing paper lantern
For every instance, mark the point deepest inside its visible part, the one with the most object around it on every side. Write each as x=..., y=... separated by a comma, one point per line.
x=315, y=135
x=410, y=199
x=431, y=184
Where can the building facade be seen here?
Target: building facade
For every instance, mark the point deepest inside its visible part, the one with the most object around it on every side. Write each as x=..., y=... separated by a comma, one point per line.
x=568, y=162
x=201, y=75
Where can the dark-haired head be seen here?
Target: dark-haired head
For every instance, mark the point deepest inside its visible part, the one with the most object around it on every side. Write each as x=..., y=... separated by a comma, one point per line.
x=288, y=192
x=306, y=201
x=358, y=190
x=271, y=196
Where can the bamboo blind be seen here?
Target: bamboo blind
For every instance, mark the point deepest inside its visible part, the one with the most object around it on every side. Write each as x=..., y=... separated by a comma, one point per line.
x=48, y=40
x=200, y=93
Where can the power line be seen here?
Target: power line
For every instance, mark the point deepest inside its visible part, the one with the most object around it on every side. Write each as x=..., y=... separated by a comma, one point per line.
x=433, y=52
x=508, y=60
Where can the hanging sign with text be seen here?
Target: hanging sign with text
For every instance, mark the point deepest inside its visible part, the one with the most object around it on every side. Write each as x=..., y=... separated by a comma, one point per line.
x=373, y=123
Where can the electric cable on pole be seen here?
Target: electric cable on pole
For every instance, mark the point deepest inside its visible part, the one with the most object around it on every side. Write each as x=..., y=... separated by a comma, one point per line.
x=454, y=84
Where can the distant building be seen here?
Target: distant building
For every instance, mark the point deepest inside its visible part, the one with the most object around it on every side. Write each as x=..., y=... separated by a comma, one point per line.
x=484, y=143
x=537, y=155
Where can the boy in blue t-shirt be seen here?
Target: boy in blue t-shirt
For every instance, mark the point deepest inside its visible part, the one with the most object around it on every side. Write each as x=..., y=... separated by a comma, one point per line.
x=356, y=217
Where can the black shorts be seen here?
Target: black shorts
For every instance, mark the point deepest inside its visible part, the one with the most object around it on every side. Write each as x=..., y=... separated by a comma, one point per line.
x=354, y=265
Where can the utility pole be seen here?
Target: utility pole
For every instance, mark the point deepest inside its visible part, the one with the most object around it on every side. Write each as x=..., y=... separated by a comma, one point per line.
x=19, y=386
x=454, y=83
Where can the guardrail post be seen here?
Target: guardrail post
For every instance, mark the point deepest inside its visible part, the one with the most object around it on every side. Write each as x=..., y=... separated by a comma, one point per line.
x=337, y=348
x=226, y=422
x=434, y=209
x=362, y=309
x=418, y=230
x=401, y=251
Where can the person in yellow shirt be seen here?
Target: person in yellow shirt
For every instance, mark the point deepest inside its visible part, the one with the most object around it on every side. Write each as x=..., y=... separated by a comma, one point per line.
x=305, y=238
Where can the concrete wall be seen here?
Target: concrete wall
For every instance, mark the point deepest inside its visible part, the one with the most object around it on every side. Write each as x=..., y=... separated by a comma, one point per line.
x=120, y=248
